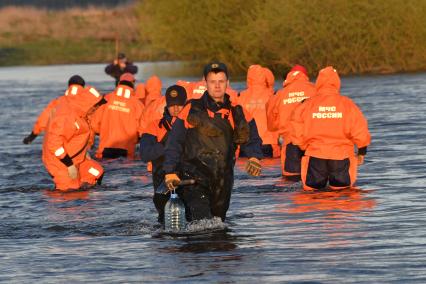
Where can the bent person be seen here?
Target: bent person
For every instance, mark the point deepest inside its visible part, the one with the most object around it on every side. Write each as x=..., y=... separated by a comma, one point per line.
x=67, y=140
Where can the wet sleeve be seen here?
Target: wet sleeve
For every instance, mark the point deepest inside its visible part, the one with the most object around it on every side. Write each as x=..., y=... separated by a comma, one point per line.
x=174, y=146
x=150, y=149
x=297, y=127
x=253, y=148
x=359, y=133
x=131, y=68
x=60, y=131
x=272, y=117
x=43, y=118
x=96, y=120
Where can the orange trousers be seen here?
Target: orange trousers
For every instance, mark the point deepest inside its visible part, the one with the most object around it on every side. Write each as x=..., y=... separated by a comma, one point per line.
x=89, y=172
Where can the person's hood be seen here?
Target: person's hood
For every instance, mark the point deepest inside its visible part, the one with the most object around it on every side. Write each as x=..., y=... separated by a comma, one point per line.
x=85, y=100
x=328, y=81
x=140, y=91
x=153, y=89
x=293, y=76
x=270, y=79
x=256, y=76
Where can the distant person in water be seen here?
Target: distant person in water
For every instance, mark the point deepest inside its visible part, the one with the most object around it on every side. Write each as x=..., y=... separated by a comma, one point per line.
x=75, y=85
x=120, y=66
x=326, y=127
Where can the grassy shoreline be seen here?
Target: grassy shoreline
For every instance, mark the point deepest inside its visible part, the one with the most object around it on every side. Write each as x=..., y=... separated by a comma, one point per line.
x=355, y=36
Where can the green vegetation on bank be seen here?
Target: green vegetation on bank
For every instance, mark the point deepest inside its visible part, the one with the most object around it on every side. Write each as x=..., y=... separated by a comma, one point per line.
x=31, y=36
x=355, y=36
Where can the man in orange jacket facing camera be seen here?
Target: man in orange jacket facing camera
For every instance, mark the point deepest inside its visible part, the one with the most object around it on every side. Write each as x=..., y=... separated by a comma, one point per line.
x=327, y=126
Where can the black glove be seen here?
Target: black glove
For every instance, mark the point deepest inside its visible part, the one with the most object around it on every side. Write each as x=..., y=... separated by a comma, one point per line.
x=202, y=121
x=29, y=138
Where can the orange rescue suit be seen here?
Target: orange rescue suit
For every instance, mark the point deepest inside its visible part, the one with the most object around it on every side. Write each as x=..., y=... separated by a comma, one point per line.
x=117, y=122
x=67, y=137
x=296, y=88
x=328, y=125
x=254, y=99
x=41, y=123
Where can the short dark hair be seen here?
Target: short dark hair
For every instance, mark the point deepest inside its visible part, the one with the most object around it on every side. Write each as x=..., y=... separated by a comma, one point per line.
x=76, y=80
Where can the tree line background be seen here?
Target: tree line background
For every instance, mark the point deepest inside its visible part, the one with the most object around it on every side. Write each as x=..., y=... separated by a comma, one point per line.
x=355, y=36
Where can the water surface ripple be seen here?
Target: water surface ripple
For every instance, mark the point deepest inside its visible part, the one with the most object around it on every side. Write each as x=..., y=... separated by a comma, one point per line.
x=275, y=232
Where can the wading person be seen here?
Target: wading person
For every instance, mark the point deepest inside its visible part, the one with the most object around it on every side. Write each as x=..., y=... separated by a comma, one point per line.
x=117, y=122
x=326, y=127
x=154, y=139
x=203, y=141
x=67, y=140
x=296, y=88
x=119, y=66
x=253, y=100
x=75, y=85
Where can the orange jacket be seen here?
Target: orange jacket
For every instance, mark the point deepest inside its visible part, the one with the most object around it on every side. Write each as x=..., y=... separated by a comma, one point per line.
x=328, y=124
x=187, y=85
x=254, y=99
x=270, y=79
x=296, y=88
x=154, y=110
x=197, y=89
x=68, y=131
x=140, y=92
x=117, y=122
x=152, y=89
x=41, y=123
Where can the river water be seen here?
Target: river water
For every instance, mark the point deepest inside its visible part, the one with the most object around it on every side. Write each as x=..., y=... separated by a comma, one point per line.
x=275, y=232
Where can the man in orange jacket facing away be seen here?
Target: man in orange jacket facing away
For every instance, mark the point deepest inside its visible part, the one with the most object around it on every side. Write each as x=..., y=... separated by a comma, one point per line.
x=253, y=100
x=75, y=85
x=67, y=140
x=117, y=122
x=154, y=139
x=326, y=127
x=296, y=88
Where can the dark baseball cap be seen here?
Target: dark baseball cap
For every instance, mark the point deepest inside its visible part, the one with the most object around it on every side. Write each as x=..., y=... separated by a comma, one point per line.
x=215, y=67
x=175, y=95
x=121, y=55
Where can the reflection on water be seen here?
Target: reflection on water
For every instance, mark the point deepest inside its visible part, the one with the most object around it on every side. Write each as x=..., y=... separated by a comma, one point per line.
x=218, y=241
x=274, y=232
x=349, y=200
